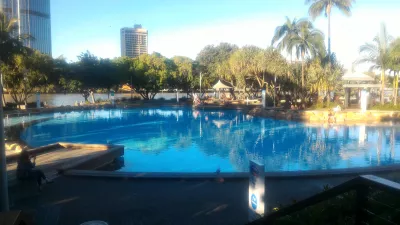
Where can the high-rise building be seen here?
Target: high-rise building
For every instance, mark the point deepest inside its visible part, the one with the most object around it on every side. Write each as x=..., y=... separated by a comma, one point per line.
x=33, y=20
x=134, y=41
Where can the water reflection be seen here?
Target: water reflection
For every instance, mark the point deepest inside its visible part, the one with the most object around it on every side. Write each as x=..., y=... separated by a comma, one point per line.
x=203, y=140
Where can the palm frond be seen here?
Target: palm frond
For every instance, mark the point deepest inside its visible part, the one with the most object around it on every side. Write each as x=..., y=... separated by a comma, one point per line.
x=317, y=8
x=369, y=49
x=344, y=6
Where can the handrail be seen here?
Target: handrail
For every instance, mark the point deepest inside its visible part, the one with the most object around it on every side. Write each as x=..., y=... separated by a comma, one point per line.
x=358, y=183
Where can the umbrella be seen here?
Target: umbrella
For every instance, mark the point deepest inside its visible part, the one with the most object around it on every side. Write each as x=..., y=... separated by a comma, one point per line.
x=221, y=85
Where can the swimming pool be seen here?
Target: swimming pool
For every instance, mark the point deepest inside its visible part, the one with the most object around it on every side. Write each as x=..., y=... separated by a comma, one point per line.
x=186, y=140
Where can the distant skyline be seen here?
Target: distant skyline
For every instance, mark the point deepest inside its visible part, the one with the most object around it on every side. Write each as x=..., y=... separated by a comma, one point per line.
x=179, y=27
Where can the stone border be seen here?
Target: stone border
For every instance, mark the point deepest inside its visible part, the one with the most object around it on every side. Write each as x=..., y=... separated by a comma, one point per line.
x=322, y=117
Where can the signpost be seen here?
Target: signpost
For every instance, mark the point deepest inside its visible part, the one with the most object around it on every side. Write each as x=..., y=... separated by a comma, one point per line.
x=112, y=97
x=364, y=100
x=256, y=191
x=263, y=98
x=3, y=165
x=38, y=100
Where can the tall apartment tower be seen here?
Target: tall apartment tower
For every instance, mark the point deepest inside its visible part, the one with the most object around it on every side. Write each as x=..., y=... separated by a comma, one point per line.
x=33, y=19
x=134, y=41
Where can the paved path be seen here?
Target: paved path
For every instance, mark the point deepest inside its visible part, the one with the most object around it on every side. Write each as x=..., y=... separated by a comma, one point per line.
x=74, y=200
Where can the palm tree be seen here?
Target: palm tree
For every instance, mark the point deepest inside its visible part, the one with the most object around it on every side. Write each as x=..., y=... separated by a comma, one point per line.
x=299, y=36
x=319, y=6
x=394, y=66
x=377, y=54
x=10, y=44
x=308, y=42
x=284, y=33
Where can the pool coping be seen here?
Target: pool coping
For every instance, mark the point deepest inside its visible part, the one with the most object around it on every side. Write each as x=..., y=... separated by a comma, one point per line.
x=235, y=175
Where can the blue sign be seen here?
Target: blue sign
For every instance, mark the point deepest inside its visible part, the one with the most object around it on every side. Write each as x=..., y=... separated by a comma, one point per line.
x=254, y=202
x=254, y=171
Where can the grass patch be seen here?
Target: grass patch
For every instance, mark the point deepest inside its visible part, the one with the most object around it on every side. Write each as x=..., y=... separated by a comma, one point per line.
x=386, y=107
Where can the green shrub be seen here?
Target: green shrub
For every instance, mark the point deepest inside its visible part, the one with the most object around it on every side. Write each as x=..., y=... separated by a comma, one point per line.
x=322, y=105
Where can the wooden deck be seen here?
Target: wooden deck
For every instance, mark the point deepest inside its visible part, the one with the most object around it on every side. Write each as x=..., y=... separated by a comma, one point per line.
x=56, y=158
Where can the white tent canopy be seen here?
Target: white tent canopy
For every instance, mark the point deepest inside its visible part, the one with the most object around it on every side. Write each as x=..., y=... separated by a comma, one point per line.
x=356, y=76
x=221, y=85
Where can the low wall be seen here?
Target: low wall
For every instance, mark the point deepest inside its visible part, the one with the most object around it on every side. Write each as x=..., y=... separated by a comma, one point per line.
x=321, y=116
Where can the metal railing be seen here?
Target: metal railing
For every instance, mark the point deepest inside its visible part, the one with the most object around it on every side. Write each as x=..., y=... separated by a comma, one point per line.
x=362, y=186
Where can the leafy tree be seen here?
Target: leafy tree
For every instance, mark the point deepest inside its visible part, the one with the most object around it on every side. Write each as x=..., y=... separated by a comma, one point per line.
x=10, y=43
x=150, y=73
x=255, y=68
x=246, y=66
x=377, y=54
x=323, y=77
x=25, y=75
x=182, y=77
x=123, y=71
x=71, y=86
x=214, y=61
x=325, y=6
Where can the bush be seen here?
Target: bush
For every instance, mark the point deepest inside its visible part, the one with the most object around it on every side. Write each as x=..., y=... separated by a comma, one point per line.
x=11, y=105
x=161, y=99
x=136, y=98
x=98, y=100
x=322, y=105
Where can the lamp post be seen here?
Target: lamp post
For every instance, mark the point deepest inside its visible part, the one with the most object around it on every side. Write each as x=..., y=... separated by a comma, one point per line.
x=274, y=90
x=25, y=92
x=3, y=166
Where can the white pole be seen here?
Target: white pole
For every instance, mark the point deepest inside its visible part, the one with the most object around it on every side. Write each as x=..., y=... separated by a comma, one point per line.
x=3, y=165
x=19, y=18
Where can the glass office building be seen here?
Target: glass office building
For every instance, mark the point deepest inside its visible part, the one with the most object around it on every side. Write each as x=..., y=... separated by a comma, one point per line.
x=33, y=19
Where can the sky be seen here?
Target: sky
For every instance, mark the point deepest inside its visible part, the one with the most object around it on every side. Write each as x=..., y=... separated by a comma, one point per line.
x=185, y=27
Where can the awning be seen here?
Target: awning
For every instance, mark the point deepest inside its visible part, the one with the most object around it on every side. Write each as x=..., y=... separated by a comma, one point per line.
x=356, y=76
x=222, y=85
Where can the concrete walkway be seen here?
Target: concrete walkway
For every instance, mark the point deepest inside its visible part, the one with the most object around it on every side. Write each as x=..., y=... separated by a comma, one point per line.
x=74, y=200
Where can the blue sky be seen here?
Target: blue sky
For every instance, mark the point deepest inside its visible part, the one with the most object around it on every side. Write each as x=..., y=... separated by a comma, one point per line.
x=183, y=27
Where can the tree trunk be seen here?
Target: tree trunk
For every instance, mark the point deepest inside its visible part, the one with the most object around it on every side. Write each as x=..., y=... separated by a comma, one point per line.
x=92, y=94
x=328, y=14
x=302, y=70
x=328, y=99
x=396, y=87
x=4, y=98
x=383, y=86
x=329, y=34
x=2, y=91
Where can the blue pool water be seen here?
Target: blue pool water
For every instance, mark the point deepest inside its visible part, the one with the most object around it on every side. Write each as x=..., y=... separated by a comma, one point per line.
x=186, y=140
